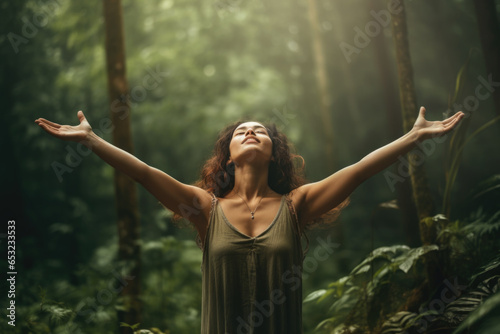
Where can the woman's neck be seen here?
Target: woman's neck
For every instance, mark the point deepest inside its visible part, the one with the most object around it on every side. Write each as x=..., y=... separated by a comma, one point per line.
x=250, y=182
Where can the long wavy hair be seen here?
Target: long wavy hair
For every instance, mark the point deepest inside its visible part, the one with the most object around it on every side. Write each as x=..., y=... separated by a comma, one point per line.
x=217, y=176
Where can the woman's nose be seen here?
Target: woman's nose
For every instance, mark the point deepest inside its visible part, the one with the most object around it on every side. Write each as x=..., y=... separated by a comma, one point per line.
x=248, y=132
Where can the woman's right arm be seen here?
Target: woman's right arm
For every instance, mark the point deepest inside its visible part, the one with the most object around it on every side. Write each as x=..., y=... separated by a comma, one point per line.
x=191, y=202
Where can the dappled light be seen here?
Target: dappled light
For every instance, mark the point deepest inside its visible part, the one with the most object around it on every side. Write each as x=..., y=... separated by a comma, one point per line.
x=409, y=244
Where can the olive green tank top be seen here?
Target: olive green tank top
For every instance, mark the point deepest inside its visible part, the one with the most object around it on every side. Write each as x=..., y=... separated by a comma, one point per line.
x=252, y=285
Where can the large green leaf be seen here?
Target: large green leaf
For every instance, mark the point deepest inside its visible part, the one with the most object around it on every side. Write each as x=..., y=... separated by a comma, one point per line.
x=315, y=295
x=413, y=255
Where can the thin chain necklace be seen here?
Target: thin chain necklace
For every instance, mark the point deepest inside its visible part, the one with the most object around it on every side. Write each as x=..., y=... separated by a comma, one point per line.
x=251, y=212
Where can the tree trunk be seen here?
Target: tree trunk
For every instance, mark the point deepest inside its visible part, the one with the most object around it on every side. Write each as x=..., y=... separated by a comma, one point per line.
x=350, y=90
x=421, y=193
x=489, y=33
x=393, y=116
x=322, y=83
x=125, y=188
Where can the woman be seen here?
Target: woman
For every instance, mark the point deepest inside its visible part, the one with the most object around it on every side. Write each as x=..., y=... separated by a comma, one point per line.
x=250, y=210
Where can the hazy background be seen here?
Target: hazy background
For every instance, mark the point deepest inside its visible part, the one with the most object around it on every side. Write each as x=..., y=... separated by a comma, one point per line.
x=214, y=62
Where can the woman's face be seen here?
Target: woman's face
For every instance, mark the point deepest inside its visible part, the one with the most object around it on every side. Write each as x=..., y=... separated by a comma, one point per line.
x=250, y=141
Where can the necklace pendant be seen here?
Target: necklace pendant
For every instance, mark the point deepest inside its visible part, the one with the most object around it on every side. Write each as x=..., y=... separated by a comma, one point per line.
x=252, y=214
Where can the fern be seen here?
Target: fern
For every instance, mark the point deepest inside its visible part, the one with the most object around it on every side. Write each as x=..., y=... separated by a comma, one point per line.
x=398, y=323
x=481, y=228
x=484, y=319
x=482, y=287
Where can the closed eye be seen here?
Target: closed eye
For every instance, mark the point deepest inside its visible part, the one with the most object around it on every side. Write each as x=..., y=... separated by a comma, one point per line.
x=259, y=131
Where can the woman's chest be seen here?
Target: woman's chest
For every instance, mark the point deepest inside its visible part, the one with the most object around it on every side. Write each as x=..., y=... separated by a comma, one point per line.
x=251, y=221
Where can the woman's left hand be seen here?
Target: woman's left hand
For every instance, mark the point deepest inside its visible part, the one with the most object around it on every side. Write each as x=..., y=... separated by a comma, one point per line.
x=428, y=129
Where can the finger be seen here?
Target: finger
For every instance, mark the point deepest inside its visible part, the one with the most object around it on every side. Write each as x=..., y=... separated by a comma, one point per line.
x=47, y=128
x=457, y=117
x=450, y=119
x=452, y=124
x=46, y=121
x=422, y=112
x=81, y=116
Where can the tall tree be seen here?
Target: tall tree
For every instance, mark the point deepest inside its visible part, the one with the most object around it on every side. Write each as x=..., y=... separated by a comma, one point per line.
x=338, y=31
x=393, y=117
x=419, y=183
x=489, y=33
x=125, y=188
x=322, y=81
x=421, y=193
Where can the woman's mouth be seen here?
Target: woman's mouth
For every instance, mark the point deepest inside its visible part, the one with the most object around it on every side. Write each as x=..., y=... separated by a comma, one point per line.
x=250, y=140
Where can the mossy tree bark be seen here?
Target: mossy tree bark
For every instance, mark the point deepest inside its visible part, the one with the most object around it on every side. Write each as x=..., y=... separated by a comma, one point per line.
x=419, y=183
x=394, y=119
x=421, y=192
x=125, y=188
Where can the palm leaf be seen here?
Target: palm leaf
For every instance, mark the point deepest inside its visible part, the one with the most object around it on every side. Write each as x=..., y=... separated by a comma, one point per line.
x=486, y=186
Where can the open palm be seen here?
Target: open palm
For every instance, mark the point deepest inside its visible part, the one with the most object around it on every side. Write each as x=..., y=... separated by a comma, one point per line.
x=428, y=129
x=67, y=132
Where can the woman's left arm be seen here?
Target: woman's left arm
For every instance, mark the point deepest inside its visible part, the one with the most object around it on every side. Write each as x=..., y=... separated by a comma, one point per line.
x=314, y=199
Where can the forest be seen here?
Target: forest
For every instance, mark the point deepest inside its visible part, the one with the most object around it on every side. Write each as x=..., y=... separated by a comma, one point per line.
x=87, y=250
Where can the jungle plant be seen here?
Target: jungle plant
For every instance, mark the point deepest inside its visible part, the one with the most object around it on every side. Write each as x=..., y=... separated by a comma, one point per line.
x=374, y=287
x=473, y=311
x=459, y=138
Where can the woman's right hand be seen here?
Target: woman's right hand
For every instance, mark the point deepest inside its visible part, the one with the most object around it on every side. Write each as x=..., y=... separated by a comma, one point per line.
x=67, y=132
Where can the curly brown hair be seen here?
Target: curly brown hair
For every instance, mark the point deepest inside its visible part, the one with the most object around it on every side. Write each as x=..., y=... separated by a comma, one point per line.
x=217, y=176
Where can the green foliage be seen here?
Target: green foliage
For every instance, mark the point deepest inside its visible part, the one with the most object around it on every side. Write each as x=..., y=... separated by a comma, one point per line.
x=480, y=227
x=172, y=286
x=389, y=274
x=491, y=184
x=133, y=327
x=394, y=267
x=173, y=269
x=478, y=305
x=485, y=194
x=484, y=319
x=459, y=138
x=216, y=64
x=455, y=154
x=468, y=244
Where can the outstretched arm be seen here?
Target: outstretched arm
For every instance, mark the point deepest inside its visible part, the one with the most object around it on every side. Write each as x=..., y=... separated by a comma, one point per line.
x=190, y=201
x=314, y=199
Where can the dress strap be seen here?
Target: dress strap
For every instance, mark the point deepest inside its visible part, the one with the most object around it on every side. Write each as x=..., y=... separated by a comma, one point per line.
x=214, y=201
x=298, y=229
x=201, y=244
